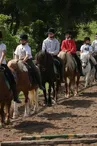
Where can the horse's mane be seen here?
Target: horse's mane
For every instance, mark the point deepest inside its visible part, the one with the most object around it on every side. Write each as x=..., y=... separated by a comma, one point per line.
x=68, y=60
x=44, y=58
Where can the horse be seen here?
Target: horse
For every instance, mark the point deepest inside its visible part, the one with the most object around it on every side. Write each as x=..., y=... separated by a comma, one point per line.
x=5, y=99
x=88, y=69
x=45, y=63
x=71, y=75
x=23, y=84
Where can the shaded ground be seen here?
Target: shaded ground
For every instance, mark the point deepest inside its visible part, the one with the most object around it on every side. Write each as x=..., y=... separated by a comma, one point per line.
x=73, y=115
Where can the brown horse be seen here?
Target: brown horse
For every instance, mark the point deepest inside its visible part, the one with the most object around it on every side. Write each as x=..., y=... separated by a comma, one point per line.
x=5, y=99
x=24, y=85
x=71, y=75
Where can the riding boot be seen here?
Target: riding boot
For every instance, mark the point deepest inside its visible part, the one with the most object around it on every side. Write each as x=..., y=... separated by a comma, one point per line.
x=15, y=94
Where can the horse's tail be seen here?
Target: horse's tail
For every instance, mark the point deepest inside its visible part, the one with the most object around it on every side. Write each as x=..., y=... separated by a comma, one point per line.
x=33, y=96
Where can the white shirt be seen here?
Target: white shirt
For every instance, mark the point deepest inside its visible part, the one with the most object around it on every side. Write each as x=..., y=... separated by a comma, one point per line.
x=86, y=49
x=52, y=46
x=23, y=50
x=94, y=45
x=2, y=48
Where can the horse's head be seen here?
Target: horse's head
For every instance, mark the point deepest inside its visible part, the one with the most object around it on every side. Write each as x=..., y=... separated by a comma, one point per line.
x=44, y=60
x=84, y=59
x=62, y=55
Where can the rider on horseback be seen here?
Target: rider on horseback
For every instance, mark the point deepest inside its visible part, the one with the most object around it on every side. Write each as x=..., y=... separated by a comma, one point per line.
x=23, y=52
x=7, y=72
x=86, y=48
x=52, y=46
x=68, y=45
x=94, y=45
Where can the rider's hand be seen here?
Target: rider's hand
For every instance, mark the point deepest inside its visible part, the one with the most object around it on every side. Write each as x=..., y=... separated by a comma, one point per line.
x=23, y=61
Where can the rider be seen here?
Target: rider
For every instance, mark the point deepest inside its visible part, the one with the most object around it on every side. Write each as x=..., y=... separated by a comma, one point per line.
x=86, y=48
x=68, y=45
x=94, y=45
x=23, y=52
x=7, y=71
x=52, y=46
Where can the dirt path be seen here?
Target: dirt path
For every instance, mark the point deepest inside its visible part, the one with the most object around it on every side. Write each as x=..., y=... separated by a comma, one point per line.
x=73, y=115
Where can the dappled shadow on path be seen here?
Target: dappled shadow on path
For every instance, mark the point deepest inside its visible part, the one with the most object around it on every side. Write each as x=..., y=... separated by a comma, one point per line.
x=78, y=103
x=59, y=116
x=32, y=126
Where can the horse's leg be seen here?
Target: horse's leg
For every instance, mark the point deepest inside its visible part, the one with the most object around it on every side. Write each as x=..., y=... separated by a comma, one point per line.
x=7, y=119
x=15, y=112
x=36, y=101
x=77, y=84
x=33, y=96
x=49, y=95
x=2, y=115
x=69, y=88
x=54, y=93
x=57, y=89
x=87, y=79
x=45, y=96
x=27, y=104
x=66, y=87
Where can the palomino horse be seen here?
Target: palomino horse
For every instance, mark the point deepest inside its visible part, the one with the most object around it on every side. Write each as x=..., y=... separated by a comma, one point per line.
x=70, y=73
x=5, y=98
x=24, y=85
x=88, y=69
x=46, y=66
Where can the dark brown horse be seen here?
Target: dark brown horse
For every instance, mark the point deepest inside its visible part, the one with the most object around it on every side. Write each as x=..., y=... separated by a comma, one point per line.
x=5, y=99
x=46, y=66
x=71, y=75
x=24, y=85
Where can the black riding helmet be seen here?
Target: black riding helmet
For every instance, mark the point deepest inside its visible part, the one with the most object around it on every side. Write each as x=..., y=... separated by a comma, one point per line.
x=24, y=37
x=68, y=32
x=51, y=30
x=86, y=39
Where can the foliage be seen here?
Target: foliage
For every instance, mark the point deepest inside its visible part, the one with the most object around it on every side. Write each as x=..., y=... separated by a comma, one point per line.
x=35, y=17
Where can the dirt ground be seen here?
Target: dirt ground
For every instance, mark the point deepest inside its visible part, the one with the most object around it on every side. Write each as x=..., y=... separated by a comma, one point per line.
x=73, y=115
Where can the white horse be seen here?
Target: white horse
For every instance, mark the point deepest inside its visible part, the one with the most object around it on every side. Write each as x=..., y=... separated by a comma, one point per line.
x=88, y=69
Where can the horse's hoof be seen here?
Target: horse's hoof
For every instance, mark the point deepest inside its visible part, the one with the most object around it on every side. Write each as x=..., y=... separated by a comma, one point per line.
x=7, y=122
x=54, y=102
x=1, y=125
x=15, y=116
x=75, y=94
x=67, y=95
x=26, y=115
x=49, y=104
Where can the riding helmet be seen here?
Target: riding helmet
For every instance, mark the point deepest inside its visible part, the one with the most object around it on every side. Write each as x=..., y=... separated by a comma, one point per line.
x=67, y=32
x=23, y=37
x=51, y=30
x=86, y=39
